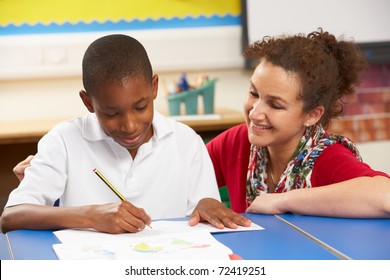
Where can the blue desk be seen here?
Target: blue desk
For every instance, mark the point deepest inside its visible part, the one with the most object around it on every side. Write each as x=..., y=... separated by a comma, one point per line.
x=278, y=241
x=32, y=244
x=4, y=252
x=361, y=239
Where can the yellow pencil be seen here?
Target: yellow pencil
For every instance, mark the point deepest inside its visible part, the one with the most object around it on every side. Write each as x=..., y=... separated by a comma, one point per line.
x=100, y=175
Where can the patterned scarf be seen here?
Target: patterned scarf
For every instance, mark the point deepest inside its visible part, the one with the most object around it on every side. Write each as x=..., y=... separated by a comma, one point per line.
x=299, y=169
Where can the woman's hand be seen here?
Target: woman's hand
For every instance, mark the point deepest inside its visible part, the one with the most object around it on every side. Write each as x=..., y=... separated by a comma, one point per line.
x=267, y=203
x=21, y=167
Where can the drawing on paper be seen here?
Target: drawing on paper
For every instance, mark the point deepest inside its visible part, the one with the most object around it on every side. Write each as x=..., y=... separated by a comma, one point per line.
x=145, y=248
x=96, y=251
x=167, y=247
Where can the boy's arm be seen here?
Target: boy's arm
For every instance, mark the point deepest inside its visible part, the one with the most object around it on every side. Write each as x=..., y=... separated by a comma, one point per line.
x=112, y=218
x=205, y=195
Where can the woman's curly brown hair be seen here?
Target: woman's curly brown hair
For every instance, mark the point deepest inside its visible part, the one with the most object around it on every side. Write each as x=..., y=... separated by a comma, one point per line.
x=329, y=69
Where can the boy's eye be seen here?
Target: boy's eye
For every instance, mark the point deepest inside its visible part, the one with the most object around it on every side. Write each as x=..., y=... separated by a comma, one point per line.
x=110, y=115
x=141, y=108
x=253, y=93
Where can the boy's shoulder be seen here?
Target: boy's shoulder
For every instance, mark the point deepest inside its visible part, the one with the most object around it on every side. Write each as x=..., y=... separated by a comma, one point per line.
x=71, y=123
x=164, y=123
x=76, y=125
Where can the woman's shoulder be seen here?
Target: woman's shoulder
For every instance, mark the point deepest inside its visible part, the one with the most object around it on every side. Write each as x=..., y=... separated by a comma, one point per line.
x=237, y=132
x=235, y=135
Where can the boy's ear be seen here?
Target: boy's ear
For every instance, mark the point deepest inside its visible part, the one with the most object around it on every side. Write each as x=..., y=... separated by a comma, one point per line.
x=86, y=100
x=155, y=85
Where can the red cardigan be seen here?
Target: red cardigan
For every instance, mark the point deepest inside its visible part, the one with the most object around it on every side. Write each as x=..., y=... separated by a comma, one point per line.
x=230, y=150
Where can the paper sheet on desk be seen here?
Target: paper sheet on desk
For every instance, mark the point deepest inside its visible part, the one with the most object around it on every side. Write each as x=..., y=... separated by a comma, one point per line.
x=174, y=226
x=166, y=240
x=158, y=228
x=199, y=245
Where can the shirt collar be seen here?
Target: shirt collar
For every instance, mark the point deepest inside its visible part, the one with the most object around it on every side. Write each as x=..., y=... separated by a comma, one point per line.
x=92, y=131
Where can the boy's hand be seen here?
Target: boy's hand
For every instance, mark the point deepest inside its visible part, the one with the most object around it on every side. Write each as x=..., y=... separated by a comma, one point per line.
x=21, y=166
x=217, y=214
x=119, y=218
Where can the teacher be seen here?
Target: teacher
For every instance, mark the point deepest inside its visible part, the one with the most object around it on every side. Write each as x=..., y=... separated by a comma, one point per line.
x=283, y=160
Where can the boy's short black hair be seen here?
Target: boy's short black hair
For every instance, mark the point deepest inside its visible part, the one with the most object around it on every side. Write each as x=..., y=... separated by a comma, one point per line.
x=112, y=58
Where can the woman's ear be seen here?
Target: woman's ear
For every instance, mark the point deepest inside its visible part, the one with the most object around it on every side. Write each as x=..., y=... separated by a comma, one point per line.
x=314, y=116
x=86, y=100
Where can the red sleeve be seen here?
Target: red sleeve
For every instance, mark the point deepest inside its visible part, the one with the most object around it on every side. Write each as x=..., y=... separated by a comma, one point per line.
x=229, y=153
x=215, y=149
x=336, y=164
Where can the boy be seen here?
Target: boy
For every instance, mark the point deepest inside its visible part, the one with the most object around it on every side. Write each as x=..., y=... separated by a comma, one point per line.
x=160, y=166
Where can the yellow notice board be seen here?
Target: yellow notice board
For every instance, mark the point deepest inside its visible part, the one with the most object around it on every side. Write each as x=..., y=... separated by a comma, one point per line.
x=19, y=12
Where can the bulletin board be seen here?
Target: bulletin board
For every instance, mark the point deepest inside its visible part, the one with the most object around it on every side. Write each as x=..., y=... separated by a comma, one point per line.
x=57, y=16
x=367, y=22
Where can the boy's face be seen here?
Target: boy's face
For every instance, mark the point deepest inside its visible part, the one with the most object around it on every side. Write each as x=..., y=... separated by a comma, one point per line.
x=125, y=110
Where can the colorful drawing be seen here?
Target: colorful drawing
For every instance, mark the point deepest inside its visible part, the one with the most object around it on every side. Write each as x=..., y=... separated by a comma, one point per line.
x=97, y=252
x=196, y=244
x=181, y=242
x=145, y=248
x=167, y=246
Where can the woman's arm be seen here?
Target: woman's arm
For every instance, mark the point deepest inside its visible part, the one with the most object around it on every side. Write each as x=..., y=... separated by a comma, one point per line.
x=363, y=197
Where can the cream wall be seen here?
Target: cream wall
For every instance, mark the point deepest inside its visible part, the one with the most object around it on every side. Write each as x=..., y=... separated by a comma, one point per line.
x=58, y=97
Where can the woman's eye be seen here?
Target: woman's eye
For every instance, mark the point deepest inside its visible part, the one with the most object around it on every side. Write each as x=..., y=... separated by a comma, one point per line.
x=277, y=106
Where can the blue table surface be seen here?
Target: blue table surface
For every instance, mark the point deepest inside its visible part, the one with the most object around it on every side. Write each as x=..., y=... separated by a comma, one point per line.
x=278, y=241
x=4, y=252
x=361, y=239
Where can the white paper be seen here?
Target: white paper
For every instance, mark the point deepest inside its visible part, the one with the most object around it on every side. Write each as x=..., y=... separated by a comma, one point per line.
x=165, y=240
x=174, y=226
x=158, y=228
x=195, y=245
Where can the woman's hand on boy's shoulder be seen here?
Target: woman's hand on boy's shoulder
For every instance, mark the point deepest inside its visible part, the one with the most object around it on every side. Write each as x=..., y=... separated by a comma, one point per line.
x=216, y=213
x=20, y=168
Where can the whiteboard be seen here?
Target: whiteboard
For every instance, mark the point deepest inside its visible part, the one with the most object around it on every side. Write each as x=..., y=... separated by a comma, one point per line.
x=365, y=21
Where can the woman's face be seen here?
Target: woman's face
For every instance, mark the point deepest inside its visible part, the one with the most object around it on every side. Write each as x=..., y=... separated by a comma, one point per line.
x=273, y=111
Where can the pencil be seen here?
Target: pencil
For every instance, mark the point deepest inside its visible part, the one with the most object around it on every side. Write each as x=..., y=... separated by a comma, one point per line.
x=100, y=175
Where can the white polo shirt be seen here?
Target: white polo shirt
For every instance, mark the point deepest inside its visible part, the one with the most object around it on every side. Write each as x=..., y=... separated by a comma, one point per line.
x=168, y=176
